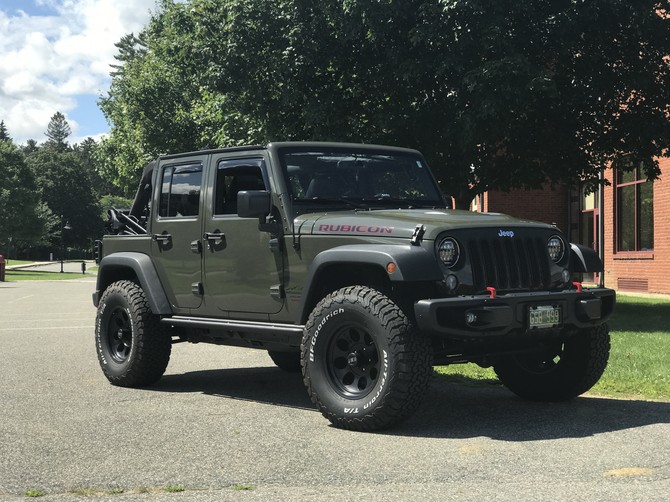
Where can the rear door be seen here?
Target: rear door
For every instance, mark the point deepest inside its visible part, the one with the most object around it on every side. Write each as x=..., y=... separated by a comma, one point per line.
x=177, y=228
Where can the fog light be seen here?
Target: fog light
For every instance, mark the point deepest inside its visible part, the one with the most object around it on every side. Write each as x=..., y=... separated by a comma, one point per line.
x=565, y=275
x=452, y=282
x=470, y=318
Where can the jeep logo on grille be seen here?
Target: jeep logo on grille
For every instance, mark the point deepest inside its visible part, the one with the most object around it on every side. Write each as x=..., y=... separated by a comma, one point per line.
x=505, y=233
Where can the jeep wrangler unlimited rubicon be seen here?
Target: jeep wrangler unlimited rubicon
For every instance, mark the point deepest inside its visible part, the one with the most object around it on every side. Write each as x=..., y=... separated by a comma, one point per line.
x=342, y=261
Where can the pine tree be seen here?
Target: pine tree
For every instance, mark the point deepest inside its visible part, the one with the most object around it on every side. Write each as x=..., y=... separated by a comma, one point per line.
x=57, y=131
x=4, y=135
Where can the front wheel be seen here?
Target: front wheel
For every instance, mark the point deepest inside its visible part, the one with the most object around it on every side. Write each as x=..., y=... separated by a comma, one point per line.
x=364, y=364
x=133, y=346
x=562, y=371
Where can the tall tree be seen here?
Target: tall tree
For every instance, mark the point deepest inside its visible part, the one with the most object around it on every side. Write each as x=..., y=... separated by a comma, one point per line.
x=22, y=219
x=497, y=94
x=64, y=185
x=4, y=134
x=58, y=131
x=30, y=147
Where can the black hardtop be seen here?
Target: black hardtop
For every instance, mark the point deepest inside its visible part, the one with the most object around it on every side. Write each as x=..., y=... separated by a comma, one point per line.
x=274, y=146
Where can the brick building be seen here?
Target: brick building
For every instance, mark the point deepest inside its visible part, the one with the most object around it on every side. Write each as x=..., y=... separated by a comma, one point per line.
x=627, y=222
x=636, y=230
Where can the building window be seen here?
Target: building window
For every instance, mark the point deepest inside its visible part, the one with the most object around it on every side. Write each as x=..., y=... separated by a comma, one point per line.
x=635, y=211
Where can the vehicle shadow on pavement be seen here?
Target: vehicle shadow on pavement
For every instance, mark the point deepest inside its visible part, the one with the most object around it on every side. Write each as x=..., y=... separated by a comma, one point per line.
x=449, y=410
x=452, y=410
x=264, y=385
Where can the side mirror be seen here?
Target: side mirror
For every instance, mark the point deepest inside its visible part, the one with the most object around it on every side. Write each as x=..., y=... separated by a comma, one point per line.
x=253, y=203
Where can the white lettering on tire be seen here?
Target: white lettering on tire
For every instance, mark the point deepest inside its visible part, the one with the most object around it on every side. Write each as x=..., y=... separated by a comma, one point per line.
x=382, y=382
x=329, y=316
x=99, y=337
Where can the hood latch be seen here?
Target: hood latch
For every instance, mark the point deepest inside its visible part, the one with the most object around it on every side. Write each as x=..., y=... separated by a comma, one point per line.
x=417, y=237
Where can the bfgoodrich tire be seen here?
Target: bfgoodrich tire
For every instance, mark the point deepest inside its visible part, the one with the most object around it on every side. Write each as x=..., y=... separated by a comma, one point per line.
x=133, y=346
x=562, y=371
x=364, y=364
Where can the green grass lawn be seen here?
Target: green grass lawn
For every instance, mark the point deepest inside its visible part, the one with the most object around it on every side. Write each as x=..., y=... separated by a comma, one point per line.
x=36, y=275
x=639, y=360
x=10, y=262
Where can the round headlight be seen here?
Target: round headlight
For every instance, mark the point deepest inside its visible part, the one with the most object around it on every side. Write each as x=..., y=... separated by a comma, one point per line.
x=556, y=248
x=449, y=252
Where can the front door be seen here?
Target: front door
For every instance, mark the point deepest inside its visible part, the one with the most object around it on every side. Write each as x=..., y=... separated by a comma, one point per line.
x=243, y=268
x=176, y=229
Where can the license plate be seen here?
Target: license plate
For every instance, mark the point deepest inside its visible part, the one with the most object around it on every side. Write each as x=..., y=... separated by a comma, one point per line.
x=544, y=316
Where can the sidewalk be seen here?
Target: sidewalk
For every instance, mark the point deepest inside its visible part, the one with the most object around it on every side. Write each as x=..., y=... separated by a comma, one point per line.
x=54, y=266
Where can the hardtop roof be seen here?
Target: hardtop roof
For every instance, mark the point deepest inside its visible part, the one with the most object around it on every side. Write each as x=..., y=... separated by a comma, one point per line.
x=274, y=146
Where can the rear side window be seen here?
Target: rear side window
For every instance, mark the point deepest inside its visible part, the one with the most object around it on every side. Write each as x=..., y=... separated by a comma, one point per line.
x=180, y=190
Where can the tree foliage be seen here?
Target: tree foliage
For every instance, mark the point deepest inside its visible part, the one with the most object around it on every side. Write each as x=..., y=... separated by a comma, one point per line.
x=39, y=183
x=22, y=218
x=58, y=131
x=497, y=94
x=4, y=134
x=65, y=186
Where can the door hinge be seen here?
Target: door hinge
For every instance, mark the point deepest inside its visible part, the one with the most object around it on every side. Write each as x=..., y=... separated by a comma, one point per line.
x=277, y=292
x=196, y=288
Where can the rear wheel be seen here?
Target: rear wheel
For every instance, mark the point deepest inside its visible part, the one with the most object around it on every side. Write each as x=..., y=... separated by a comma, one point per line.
x=364, y=364
x=133, y=346
x=561, y=371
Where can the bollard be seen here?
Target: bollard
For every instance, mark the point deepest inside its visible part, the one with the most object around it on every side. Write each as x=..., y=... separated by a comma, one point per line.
x=83, y=267
x=2, y=268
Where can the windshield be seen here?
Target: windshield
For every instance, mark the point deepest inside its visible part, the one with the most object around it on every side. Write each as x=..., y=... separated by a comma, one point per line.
x=361, y=180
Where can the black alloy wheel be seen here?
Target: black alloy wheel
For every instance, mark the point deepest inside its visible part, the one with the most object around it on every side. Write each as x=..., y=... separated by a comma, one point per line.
x=353, y=362
x=120, y=338
x=364, y=364
x=133, y=345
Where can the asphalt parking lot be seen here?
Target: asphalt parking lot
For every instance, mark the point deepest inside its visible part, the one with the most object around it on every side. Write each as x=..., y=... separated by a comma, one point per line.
x=225, y=424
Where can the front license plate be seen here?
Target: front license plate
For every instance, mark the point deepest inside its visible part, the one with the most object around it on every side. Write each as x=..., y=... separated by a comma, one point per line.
x=544, y=316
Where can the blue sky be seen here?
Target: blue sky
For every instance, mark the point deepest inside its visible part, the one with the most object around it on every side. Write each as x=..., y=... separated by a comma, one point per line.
x=55, y=56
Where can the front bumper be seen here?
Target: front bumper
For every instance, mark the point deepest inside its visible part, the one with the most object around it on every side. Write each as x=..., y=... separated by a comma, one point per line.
x=509, y=313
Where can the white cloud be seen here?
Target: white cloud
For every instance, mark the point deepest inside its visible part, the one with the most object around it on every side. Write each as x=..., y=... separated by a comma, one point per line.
x=46, y=61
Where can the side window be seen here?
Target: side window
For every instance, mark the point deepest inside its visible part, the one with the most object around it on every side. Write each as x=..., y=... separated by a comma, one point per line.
x=233, y=176
x=180, y=190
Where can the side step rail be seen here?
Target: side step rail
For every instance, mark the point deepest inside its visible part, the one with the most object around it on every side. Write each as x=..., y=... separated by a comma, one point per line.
x=255, y=327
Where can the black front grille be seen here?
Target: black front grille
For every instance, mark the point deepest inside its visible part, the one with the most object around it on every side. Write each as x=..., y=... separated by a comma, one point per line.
x=509, y=263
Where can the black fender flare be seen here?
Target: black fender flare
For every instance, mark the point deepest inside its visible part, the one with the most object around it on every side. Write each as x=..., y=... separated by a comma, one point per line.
x=584, y=259
x=412, y=264
x=143, y=268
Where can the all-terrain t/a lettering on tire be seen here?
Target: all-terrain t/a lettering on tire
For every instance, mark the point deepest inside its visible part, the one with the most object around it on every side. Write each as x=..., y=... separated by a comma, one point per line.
x=133, y=347
x=364, y=365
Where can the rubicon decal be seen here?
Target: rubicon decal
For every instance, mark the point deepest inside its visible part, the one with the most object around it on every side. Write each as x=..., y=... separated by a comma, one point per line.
x=505, y=233
x=363, y=229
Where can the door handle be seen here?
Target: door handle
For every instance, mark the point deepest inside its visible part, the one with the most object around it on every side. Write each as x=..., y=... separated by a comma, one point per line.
x=163, y=238
x=213, y=236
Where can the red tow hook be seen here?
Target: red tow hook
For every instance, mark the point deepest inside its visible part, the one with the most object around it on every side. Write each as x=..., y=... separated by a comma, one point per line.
x=492, y=291
x=578, y=285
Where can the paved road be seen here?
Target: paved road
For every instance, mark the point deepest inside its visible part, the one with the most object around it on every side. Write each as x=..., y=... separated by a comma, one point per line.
x=224, y=419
